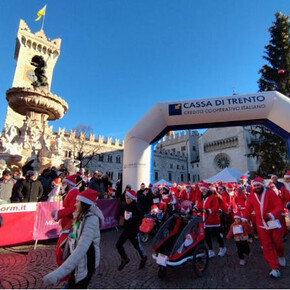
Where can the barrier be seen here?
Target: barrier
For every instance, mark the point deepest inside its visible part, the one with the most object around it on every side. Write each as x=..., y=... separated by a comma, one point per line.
x=26, y=222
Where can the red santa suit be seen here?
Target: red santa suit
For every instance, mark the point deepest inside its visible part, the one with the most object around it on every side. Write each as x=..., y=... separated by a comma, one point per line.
x=65, y=215
x=211, y=204
x=265, y=206
x=187, y=194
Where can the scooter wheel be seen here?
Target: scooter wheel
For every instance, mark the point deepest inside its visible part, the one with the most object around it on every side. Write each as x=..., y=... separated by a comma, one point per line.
x=144, y=237
x=161, y=272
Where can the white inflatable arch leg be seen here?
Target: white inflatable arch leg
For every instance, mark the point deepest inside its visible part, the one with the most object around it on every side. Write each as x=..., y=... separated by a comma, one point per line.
x=137, y=162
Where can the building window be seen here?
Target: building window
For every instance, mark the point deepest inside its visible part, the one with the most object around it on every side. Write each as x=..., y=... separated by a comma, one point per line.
x=188, y=177
x=118, y=159
x=173, y=150
x=193, y=148
x=171, y=166
x=177, y=166
x=110, y=174
x=181, y=178
x=156, y=175
x=101, y=157
x=154, y=164
x=170, y=176
x=197, y=165
x=120, y=174
x=110, y=158
x=183, y=148
x=182, y=167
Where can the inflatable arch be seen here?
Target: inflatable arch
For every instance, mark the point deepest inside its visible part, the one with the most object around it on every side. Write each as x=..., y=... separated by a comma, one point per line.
x=271, y=109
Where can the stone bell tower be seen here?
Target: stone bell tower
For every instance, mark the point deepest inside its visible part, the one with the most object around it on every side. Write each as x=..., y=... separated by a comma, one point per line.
x=27, y=46
x=30, y=103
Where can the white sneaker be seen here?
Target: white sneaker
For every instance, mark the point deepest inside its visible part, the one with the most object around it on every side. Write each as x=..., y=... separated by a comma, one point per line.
x=275, y=273
x=211, y=254
x=242, y=262
x=282, y=261
x=222, y=251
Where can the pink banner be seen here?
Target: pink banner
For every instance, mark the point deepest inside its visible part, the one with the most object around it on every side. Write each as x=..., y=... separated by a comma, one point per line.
x=25, y=222
x=44, y=226
x=111, y=212
x=18, y=220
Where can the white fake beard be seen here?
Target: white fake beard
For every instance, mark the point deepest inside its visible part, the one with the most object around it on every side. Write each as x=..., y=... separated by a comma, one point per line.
x=287, y=184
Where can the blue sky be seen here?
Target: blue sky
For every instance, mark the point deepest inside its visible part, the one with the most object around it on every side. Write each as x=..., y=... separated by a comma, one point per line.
x=120, y=57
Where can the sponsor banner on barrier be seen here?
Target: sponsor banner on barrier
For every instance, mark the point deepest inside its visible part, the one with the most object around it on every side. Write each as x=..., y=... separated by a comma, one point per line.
x=44, y=226
x=25, y=222
x=111, y=211
x=18, y=207
x=18, y=221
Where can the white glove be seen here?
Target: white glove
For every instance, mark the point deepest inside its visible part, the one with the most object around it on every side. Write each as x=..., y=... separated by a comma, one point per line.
x=49, y=280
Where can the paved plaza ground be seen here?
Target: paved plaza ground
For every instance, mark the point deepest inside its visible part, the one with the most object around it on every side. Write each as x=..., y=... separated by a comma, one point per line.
x=23, y=267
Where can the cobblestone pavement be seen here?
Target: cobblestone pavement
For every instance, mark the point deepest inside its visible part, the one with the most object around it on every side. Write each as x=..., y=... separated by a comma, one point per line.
x=23, y=267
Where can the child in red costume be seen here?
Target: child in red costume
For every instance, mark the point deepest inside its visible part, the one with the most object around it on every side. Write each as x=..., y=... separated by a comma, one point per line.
x=239, y=230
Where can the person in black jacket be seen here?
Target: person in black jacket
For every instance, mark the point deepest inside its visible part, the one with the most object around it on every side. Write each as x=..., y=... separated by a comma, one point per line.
x=30, y=189
x=132, y=221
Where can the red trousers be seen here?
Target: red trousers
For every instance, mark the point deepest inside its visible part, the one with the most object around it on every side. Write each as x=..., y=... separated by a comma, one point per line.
x=58, y=253
x=271, y=241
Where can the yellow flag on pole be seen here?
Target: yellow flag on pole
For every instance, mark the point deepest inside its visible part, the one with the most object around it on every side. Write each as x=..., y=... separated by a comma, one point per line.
x=40, y=12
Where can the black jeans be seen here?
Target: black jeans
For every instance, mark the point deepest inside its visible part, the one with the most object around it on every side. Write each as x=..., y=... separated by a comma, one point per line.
x=133, y=236
x=216, y=232
x=243, y=248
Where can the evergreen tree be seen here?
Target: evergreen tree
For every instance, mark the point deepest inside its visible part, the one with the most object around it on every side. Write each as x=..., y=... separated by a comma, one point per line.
x=275, y=76
x=269, y=149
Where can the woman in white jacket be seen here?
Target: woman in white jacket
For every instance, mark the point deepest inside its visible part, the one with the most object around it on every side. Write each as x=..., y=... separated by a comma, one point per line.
x=84, y=244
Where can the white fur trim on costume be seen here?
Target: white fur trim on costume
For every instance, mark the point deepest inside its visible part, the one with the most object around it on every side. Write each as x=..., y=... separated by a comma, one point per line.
x=202, y=187
x=131, y=195
x=257, y=182
x=287, y=176
x=69, y=182
x=271, y=215
x=85, y=200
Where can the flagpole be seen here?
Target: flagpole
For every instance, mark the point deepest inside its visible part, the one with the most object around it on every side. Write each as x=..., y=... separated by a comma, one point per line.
x=43, y=21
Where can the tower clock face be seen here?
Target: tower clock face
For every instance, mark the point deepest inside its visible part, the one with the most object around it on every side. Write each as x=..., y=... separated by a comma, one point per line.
x=30, y=74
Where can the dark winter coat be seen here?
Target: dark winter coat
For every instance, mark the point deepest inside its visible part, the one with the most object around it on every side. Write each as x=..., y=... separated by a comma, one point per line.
x=30, y=191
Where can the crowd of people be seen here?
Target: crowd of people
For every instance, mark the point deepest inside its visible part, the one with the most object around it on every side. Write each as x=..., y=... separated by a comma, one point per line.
x=27, y=185
x=241, y=211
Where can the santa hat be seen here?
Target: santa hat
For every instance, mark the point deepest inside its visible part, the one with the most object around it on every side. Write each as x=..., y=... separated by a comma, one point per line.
x=237, y=217
x=142, y=184
x=132, y=194
x=244, y=177
x=150, y=185
x=230, y=186
x=274, y=176
x=203, y=185
x=258, y=180
x=71, y=179
x=287, y=174
x=154, y=207
x=219, y=183
x=166, y=187
x=187, y=184
x=271, y=183
x=88, y=196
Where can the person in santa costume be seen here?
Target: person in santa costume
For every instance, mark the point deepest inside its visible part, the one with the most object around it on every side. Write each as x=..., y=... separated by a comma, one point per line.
x=277, y=183
x=268, y=209
x=239, y=230
x=285, y=199
x=133, y=218
x=84, y=244
x=168, y=201
x=208, y=205
x=187, y=193
x=65, y=215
